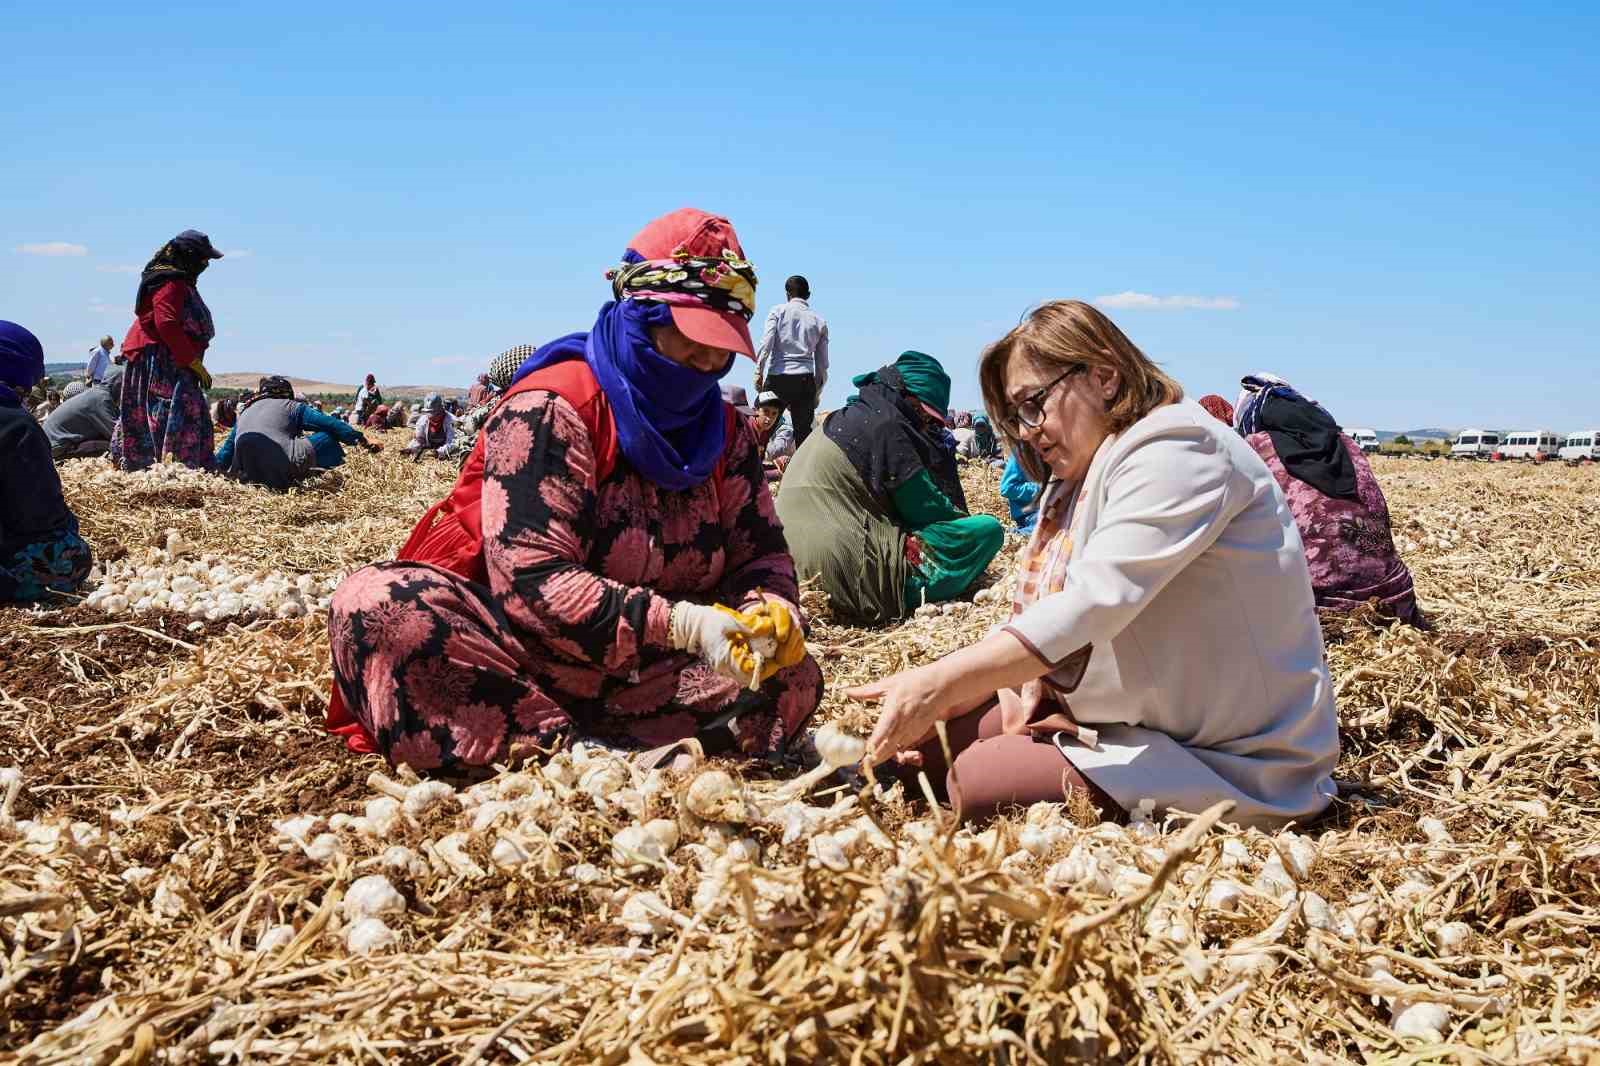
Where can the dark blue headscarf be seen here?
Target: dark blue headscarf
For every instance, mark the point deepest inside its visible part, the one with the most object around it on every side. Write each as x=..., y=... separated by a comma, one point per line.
x=670, y=424
x=21, y=357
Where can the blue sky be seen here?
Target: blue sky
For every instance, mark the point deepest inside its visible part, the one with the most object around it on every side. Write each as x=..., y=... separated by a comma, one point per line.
x=1392, y=206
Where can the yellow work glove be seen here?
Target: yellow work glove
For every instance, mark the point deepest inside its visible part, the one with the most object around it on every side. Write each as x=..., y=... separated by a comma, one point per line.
x=201, y=373
x=773, y=630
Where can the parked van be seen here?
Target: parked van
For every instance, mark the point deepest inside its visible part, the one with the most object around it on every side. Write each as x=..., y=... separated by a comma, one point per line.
x=1581, y=444
x=1365, y=439
x=1530, y=444
x=1475, y=444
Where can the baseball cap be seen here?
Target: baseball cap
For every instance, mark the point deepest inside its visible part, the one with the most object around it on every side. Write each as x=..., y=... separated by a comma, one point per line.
x=769, y=399
x=698, y=233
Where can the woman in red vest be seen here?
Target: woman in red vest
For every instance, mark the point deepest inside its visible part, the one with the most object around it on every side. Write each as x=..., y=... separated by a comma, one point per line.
x=608, y=555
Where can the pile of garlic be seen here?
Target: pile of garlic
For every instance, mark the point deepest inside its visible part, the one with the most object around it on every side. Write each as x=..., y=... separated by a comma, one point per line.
x=205, y=589
x=167, y=475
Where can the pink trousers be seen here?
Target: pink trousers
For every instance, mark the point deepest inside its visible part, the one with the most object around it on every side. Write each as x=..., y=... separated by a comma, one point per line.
x=994, y=771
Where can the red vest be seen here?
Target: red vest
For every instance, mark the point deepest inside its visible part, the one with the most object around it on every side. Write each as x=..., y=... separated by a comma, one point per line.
x=450, y=534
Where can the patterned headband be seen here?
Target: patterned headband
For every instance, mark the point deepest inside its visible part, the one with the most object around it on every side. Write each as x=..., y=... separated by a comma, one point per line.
x=726, y=284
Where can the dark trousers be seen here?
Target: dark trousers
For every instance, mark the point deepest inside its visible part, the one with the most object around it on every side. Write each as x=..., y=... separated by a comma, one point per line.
x=799, y=395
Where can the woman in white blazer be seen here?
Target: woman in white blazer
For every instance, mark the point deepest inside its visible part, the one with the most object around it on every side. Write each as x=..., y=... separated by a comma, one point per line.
x=1163, y=643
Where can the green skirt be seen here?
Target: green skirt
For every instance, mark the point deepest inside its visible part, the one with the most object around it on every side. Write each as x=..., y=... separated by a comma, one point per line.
x=954, y=554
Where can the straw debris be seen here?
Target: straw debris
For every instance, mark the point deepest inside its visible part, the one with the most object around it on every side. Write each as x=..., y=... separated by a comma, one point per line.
x=190, y=868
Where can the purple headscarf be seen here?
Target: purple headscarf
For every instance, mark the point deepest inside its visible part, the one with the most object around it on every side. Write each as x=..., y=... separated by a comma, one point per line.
x=21, y=357
x=669, y=417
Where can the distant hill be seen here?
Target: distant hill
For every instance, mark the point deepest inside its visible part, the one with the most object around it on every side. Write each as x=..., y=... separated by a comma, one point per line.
x=1387, y=435
x=64, y=368
x=309, y=387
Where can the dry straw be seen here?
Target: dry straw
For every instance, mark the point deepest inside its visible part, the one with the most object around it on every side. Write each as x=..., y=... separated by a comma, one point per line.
x=178, y=846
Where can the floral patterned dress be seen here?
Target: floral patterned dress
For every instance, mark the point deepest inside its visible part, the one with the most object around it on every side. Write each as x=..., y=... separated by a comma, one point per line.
x=569, y=635
x=164, y=412
x=1350, y=548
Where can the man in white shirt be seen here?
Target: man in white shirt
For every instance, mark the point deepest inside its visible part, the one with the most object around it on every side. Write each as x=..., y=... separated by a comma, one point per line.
x=99, y=361
x=793, y=358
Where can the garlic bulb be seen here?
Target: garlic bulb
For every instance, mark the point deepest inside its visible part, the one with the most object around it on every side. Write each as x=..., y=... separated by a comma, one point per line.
x=372, y=896
x=1275, y=880
x=584, y=873
x=274, y=937
x=1422, y=1021
x=828, y=852
x=665, y=831
x=838, y=748
x=716, y=797
x=507, y=853
x=451, y=850
x=1223, y=895
x=382, y=816
x=325, y=848
x=368, y=936
x=404, y=861
x=1299, y=855
x=1314, y=909
x=426, y=795
x=1234, y=854
x=1451, y=936
x=635, y=847
x=647, y=914
x=1434, y=830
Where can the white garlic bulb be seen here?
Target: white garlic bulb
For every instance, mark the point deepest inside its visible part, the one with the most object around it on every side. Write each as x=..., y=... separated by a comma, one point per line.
x=647, y=914
x=1314, y=909
x=404, y=861
x=423, y=796
x=451, y=850
x=1434, y=830
x=828, y=852
x=1223, y=895
x=372, y=896
x=325, y=848
x=716, y=797
x=1299, y=854
x=838, y=748
x=507, y=853
x=274, y=937
x=1452, y=936
x=665, y=832
x=368, y=936
x=635, y=846
x=382, y=816
x=1422, y=1021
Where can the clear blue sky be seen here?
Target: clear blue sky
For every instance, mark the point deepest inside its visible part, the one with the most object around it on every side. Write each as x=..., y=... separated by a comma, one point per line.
x=1394, y=207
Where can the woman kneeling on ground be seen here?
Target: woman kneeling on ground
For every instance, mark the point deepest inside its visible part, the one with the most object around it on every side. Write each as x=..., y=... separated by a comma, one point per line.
x=874, y=505
x=278, y=440
x=607, y=554
x=1163, y=642
x=40, y=550
x=1336, y=501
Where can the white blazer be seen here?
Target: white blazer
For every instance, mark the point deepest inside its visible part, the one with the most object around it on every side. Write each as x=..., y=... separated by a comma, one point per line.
x=1207, y=678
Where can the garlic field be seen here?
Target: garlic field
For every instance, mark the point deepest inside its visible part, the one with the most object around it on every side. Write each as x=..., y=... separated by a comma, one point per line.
x=192, y=870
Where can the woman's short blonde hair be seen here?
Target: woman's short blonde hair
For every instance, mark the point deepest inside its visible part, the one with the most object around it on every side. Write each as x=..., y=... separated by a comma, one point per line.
x=1063, y=334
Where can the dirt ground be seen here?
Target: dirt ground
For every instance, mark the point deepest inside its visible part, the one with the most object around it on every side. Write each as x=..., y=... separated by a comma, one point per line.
x=157, y=755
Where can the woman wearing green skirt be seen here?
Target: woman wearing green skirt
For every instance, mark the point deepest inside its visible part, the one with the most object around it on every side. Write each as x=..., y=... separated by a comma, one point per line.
x=872, y=504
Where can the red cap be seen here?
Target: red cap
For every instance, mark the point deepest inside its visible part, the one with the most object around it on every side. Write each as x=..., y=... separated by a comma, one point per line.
x=699, y=234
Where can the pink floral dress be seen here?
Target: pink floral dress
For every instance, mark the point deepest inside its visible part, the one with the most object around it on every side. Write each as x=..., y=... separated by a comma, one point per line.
x=569, y=636
x=1350, y=549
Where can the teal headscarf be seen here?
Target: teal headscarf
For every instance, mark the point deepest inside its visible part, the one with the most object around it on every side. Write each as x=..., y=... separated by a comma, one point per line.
x=924, y=378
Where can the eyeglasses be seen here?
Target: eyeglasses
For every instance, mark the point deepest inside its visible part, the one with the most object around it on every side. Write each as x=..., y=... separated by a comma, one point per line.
x=1029, y=411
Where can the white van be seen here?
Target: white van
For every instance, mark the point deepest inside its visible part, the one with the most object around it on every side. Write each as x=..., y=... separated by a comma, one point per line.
x=1475, y=444
x=1530, y=444
x=1581, y=444
x=1366, y=439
